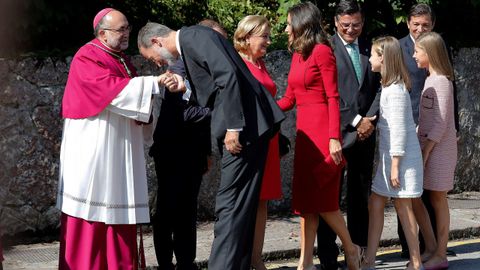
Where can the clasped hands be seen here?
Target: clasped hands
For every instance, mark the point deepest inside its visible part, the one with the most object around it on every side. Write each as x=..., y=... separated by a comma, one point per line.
x=172, y=81
x=365, y=127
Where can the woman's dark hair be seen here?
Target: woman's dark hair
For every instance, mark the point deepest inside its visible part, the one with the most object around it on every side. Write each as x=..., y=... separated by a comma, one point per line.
x=306, y=27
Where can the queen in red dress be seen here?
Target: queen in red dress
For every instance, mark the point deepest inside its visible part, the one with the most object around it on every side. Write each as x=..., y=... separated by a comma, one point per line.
x=312, y=86
x=251, y=40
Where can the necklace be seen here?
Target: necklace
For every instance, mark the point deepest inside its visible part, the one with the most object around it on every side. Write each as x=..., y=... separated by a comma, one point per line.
x=255, y=64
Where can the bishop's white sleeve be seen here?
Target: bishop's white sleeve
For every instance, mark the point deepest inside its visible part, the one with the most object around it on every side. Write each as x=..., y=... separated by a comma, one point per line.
x=135, y=100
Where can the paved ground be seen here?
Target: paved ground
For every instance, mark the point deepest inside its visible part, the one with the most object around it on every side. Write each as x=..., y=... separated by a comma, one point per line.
x=467, y=257
x=282, y=241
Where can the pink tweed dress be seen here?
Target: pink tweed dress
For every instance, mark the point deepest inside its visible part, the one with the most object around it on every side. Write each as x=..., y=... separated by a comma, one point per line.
x=436, y=122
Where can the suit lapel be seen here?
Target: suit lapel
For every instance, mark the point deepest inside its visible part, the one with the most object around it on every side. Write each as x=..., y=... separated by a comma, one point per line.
x=193, y=95
x=344, y=56
x=409, y=46
x=364, y=55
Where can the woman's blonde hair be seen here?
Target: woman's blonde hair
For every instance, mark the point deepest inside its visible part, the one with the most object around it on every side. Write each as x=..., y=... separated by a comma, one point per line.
x=248, y=26
x=433, y=45
x=393, y=69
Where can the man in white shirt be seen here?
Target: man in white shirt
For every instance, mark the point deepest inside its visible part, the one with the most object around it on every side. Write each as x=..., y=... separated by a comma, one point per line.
x=359, y=90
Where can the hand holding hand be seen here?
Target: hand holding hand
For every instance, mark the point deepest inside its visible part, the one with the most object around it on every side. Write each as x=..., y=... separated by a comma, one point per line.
x=162, y=78
x=365, y=127
x=335, y=148
x=232, y=142
x=172, y=81
x=180, y=83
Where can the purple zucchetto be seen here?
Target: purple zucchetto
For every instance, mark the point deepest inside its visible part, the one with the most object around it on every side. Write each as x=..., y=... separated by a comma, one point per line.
x=100, y=15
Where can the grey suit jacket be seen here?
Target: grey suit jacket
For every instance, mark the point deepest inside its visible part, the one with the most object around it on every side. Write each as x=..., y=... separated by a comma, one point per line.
x=356, y=97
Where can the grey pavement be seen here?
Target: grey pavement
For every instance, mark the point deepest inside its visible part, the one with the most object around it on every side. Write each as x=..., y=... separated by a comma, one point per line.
x=282, y=239
x=466, y=257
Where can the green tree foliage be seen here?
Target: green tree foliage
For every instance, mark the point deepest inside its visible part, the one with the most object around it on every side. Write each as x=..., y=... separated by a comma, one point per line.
x=58, y=27
x=229, y=13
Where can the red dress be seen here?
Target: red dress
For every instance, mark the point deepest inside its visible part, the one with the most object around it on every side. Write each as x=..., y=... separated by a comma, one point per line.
x=271, y=182
x=312, y=86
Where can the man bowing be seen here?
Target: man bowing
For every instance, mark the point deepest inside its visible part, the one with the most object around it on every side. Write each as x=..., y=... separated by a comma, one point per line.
x=244, y=118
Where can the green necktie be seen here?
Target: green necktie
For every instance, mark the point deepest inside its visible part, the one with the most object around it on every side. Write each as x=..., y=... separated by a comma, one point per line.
x=355, y=56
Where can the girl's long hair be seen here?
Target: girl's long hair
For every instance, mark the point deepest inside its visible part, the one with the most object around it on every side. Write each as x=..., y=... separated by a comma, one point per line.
x=393, y=68
x=432, y=43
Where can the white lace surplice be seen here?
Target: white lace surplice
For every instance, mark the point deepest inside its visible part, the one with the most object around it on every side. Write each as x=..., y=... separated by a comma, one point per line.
x=102, y=162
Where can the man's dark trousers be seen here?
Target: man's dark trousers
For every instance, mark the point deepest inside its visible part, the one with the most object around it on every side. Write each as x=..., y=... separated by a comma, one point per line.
x=236, y=215
x=174, y=225
x=181, y=147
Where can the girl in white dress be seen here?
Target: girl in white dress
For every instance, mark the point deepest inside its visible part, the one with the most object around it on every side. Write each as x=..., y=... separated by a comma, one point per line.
x=399, y=173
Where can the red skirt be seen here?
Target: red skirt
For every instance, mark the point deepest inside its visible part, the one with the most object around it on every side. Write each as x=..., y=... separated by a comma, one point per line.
x=271, y=181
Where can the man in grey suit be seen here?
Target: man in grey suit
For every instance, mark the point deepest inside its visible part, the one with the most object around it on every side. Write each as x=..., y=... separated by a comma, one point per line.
x=359, y=93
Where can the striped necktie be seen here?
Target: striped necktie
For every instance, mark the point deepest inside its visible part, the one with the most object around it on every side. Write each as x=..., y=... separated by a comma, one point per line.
x=355, y=56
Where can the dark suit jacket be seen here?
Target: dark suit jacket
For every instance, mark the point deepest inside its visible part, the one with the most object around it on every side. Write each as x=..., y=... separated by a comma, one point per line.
x=218, y=76
x=418, y=77
x=182, y=131
x=356, y=98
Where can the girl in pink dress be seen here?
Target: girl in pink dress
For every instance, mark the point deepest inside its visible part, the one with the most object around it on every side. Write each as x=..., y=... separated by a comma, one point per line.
x=437, y=136
x=251, y=40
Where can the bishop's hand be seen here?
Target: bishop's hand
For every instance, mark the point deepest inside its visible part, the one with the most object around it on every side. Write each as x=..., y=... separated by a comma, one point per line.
x=172, y=81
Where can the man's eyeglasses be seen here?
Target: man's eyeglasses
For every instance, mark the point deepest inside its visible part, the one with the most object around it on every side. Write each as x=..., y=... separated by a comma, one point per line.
x=122, y=30
x=355, y=26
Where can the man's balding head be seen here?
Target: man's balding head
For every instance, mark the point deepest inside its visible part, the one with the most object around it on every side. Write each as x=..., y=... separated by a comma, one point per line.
x=113, y=30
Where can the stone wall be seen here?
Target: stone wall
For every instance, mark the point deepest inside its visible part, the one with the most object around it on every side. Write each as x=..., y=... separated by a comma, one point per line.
x=30, y=135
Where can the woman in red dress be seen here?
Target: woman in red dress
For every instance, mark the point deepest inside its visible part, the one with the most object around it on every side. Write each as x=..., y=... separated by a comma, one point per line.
x=312, y=86
x=251, y=40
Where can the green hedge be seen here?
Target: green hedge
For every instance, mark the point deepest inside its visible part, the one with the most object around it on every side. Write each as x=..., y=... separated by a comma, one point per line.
x=58, y=27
